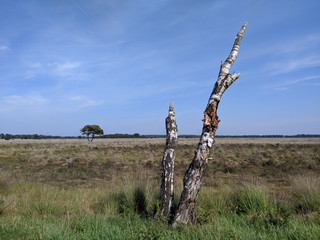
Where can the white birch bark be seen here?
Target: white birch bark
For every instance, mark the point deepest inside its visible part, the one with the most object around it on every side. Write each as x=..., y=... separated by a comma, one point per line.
x=193, y=176
x=166, y=189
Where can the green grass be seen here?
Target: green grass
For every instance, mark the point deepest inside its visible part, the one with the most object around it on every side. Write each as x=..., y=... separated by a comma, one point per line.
x=249, y=199
x=39, y=211
x=111, y=192
x=134, y=227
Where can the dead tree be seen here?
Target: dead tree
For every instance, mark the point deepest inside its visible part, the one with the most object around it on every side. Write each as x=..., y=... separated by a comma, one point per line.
x=193, y=176
x=166, y=189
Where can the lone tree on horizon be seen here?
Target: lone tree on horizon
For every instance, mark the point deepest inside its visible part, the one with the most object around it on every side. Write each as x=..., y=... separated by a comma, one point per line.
x=91, y=130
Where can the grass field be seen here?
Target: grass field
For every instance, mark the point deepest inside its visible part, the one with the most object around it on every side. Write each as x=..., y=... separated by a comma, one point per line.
x=108, y=189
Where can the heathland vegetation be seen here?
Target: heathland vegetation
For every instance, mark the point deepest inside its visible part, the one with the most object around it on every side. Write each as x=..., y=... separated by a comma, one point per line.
x=8, y=136
x=109, y=189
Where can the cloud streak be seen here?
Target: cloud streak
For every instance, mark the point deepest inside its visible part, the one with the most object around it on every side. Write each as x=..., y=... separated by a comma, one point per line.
x=286, y=66
x=4, y=48
x=61, y=67
x=292, y=46
x=85, y=102
x=285, y=85
x=11, y=103
x=57, y=70
x=25, y=100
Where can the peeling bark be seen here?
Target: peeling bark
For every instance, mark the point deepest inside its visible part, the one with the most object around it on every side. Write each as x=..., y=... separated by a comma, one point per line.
x=193, y=176
x=166, y=189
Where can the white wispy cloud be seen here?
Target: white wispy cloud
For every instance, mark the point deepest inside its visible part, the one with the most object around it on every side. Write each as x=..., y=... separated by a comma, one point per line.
x=284, y=48
x=36, y=65
x=189, y=13
x=24, y=100
x=76, y=98
x=66, y=66
x=59, y=69
x=300, y=44
x=84, y=101
x=91, y=103
x=285, y=66
x=4, y=48
x=287, y=84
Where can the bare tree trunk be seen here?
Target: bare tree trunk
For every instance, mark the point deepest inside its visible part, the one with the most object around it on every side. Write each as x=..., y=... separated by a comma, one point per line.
x=166, y=189
x=193, y=176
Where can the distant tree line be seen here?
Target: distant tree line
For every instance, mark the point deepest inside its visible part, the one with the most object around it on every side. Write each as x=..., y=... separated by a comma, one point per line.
x=120, y=135
x=270, y=136
x=137, y=135
x=37, y=136
x=29, y=136
x=255, y=136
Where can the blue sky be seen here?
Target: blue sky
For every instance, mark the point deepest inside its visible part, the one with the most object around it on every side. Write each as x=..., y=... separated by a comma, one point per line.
x=118, y=64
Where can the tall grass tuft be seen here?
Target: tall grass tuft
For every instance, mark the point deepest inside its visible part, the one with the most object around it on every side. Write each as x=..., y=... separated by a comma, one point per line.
x=262, y=210
x=248, y=199
x=306, y=193
x=6, y=181
x=211, y=205
x=140, y=197
x=140, y=202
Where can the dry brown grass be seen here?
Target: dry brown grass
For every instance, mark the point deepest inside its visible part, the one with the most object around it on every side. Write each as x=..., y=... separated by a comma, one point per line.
x=111, y=161
x=152, y=141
